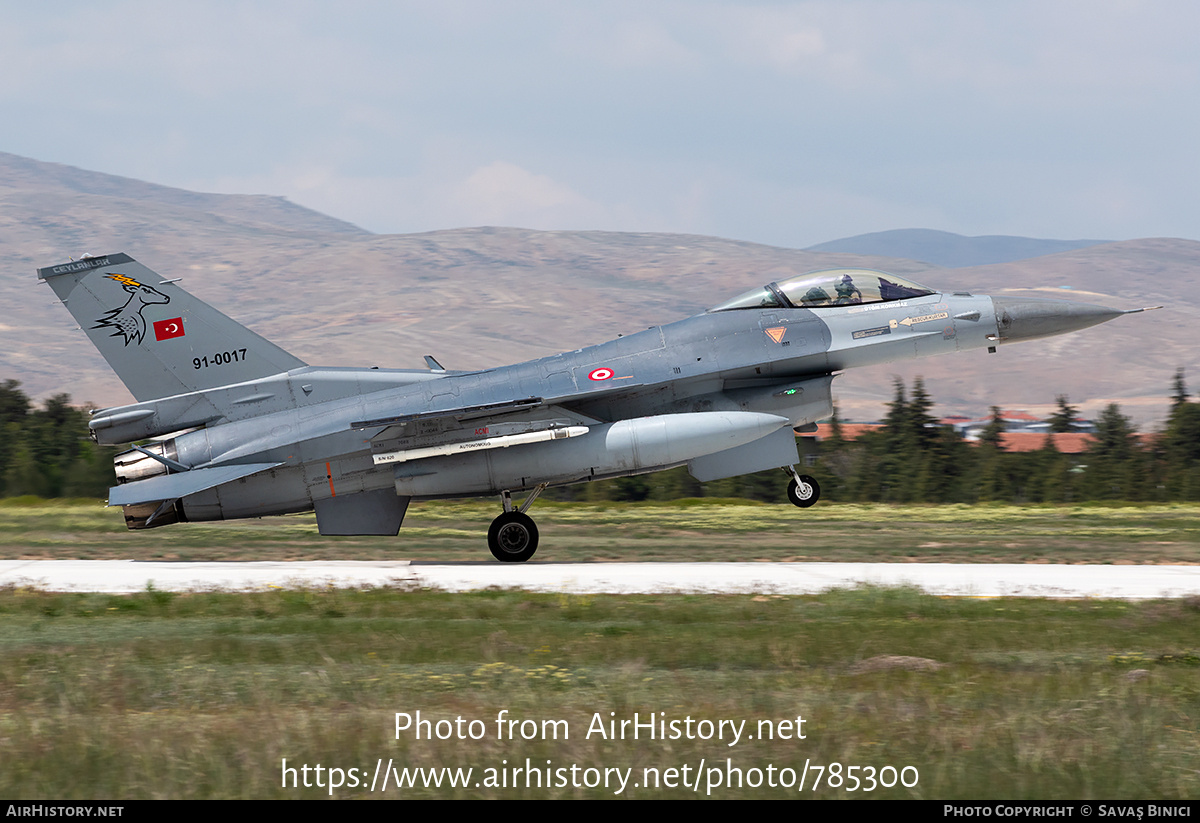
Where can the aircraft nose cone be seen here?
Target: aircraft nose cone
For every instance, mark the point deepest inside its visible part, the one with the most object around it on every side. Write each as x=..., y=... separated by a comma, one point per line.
x=1028, y=318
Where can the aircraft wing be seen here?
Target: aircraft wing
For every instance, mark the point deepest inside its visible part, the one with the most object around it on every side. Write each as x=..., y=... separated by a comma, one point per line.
x=174, y=486
x=459, y=413
x=495, y=410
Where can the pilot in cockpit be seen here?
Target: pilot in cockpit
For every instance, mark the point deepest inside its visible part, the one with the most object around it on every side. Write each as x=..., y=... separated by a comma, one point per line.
x=847, y=292
x=816, y=296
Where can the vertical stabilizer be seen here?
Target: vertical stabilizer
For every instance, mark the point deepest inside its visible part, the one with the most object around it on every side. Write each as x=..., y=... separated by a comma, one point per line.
x=159, y=339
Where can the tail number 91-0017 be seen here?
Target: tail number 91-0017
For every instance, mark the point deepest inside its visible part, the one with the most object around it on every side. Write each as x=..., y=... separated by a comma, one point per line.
x=218, y=359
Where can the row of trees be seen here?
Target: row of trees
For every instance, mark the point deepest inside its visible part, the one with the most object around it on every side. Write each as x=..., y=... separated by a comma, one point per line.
x=47, y=451
x=911, y=458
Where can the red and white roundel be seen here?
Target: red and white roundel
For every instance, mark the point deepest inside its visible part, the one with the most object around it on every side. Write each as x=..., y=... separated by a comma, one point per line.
x=600, y=374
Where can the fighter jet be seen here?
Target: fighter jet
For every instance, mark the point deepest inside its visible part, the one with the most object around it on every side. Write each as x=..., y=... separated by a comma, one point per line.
x=232, y=426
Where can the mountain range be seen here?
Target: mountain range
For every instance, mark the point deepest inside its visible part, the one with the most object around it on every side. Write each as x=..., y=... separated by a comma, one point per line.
x=943, y=248
x=334, y=294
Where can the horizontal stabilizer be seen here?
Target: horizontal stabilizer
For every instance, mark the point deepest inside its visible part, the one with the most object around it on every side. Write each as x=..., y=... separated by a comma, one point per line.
x=175, y=486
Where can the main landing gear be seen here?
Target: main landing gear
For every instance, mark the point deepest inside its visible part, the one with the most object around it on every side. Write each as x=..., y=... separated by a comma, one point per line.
x=803, y=490
x=513, y=536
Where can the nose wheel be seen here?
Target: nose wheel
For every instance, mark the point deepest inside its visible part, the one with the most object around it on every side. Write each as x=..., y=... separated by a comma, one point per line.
x=513, y=536
x=803, y=490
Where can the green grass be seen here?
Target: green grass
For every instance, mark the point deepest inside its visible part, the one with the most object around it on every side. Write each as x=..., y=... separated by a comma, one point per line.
x=683, y=530
x=204, y=695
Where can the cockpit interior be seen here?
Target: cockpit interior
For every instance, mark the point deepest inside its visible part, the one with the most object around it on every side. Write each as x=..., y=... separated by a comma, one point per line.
x=822, y=289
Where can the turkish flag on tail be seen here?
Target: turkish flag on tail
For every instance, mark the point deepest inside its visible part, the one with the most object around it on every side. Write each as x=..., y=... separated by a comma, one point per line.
x=166, y=329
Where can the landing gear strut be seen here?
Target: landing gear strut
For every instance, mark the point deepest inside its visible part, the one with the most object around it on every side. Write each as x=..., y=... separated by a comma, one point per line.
x=513, y=536
x=803, y=490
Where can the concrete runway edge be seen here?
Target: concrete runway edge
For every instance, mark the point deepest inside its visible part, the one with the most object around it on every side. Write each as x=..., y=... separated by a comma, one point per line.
x=945, y=579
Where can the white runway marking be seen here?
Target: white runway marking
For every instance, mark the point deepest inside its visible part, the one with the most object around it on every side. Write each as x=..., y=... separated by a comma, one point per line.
x=949, y=579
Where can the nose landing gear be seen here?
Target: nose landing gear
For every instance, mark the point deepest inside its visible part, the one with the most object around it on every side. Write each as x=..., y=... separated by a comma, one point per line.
x=803, y=490
x=513, y=536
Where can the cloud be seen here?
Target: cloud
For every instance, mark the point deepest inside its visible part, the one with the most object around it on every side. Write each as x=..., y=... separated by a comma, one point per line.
x=785, y=39
x=498, y=193
x=639, y=43
x=505, y=194
x=781, y=122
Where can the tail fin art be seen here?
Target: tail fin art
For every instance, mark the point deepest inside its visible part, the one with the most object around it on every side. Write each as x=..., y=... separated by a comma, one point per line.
x=159, y=339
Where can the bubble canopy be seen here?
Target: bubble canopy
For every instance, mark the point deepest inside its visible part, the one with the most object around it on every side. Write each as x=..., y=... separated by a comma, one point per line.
x=823, y=289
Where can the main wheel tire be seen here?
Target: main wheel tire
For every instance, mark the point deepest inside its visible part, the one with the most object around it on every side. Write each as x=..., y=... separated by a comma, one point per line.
x=804, y=494
x=513, y=537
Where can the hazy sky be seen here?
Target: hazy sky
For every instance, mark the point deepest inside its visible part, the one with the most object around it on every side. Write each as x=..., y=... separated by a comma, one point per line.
x=783, y=123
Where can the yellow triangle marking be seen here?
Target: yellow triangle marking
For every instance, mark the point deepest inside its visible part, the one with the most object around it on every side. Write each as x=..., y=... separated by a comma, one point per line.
x=776, y=333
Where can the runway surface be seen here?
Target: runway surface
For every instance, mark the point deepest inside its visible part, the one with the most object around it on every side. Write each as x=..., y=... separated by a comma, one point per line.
x=959, y=580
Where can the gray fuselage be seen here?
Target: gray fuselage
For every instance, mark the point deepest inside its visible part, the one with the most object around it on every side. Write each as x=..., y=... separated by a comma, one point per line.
x=740, y=360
